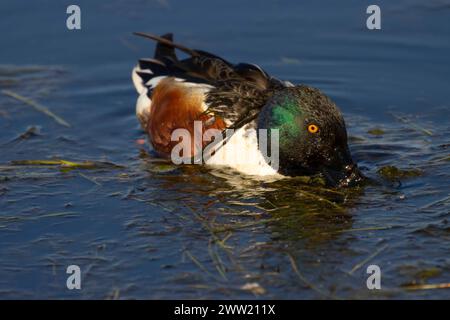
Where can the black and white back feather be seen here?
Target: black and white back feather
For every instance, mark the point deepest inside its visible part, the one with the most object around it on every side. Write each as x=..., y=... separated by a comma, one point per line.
x=234, y=92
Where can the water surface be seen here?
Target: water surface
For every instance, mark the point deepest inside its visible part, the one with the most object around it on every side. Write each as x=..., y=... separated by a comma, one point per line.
x=150, y=230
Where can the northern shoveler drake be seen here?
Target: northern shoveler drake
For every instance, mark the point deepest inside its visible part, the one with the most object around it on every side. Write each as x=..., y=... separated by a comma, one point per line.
x=174, y=93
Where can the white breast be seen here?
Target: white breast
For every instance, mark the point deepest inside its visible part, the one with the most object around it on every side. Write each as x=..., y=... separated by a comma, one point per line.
x=241, y=153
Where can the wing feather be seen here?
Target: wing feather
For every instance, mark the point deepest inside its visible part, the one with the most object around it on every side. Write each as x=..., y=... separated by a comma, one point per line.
x=238, y=91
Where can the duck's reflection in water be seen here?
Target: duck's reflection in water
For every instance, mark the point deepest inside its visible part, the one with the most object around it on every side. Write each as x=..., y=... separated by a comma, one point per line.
x=293, y=208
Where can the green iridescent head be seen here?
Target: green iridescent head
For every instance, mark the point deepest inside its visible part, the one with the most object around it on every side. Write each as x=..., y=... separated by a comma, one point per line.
x=312, y=135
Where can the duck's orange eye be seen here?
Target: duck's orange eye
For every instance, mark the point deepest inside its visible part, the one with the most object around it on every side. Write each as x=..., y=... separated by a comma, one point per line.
x=313, y=128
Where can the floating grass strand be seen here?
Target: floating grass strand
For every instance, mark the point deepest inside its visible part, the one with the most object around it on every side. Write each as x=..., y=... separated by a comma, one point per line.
x=413, y=125
x=199, y=264
x=320, y=198
x=90, y=179
x=303, y=278
x=432, y=204
x=216, y=259
x=312, y=195
x=46, y=215
x=241, y=225
x=360, y=229
x=37, y=107
x=428, y=286
x=373, y=255
x=67, y=164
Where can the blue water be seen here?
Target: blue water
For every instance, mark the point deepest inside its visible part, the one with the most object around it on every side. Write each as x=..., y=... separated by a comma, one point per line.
x=149, y=230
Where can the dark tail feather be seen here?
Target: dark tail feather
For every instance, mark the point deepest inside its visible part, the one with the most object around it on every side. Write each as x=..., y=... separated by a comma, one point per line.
x=163, y=50
x=191, y=69
x=166, y=40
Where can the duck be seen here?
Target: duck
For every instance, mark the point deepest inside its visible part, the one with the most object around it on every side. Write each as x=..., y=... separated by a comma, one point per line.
x=180, y=100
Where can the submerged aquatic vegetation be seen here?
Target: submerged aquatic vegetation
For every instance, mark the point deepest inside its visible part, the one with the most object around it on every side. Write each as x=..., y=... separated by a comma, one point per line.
x=394, y=173
x=376, y=132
